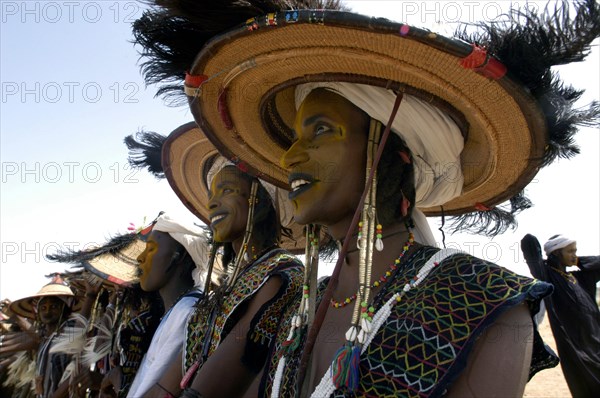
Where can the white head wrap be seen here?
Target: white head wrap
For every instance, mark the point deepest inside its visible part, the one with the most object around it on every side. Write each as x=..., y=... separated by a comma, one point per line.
x=193, y=239
x=556, y=243
x=433, y=138
x=278, y=195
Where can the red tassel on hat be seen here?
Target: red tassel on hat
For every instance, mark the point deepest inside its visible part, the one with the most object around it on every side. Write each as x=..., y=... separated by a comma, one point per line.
x=481, y=62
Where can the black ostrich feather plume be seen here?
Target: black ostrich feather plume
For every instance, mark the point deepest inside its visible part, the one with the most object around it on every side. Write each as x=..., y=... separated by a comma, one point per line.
x=529, y=45
x=145, y=149
x=172, y=32
x=114, y=245
x=492, y=222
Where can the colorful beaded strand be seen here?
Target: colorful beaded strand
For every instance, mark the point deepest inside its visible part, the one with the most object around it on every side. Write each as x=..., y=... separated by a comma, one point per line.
x=382, y=279
x=345, y=364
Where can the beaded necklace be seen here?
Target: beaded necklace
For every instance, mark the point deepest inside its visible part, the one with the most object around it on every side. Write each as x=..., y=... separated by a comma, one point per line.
x=382, y=279
x=568, y=276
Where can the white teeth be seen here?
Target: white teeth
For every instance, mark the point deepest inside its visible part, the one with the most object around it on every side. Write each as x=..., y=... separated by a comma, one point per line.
x=298, y=183
x=217, y=218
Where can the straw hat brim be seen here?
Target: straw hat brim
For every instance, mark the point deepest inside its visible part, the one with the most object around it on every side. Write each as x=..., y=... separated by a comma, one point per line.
x=119, y=268
x=25, y=306
x=245, y=103
x=186, y=154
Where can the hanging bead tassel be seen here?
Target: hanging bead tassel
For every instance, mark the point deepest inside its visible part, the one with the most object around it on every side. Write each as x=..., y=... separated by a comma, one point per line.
x=345, y=367
x=340, y=368
x=379, y=241
x=359, y=238
x=293, y=344
x=296, y=332
x=354, y=378
x=246, y=257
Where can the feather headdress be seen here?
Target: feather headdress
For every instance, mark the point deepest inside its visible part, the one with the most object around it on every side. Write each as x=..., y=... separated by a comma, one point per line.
x=172, y=33
x=145, y=150
x=528, y=44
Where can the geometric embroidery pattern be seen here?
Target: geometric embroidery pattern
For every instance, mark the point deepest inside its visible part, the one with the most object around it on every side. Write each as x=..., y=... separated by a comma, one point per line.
x=424, y=343
x=266, y=322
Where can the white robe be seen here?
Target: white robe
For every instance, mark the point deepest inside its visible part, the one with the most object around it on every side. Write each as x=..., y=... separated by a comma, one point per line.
x=165, y=346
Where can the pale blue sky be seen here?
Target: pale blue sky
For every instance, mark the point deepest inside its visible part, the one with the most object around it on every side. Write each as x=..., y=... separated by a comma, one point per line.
x=71, y=90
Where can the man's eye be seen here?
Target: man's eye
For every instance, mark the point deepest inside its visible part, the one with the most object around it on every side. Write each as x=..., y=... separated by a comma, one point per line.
x=322, y=129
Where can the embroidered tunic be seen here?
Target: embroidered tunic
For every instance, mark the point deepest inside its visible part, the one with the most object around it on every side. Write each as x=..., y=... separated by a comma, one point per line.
x=265, y=323
x=423, y=345
x=133, y=340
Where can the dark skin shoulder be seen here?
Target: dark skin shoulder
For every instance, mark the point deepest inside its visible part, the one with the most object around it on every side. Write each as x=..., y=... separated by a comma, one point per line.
x=209, y=380
x=498, y=366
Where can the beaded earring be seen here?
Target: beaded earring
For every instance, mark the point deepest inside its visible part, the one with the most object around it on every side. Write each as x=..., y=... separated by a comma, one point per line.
x=379, y=236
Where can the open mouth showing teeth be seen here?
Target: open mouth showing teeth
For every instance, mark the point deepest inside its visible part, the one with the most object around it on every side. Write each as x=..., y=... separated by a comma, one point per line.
x=300, y=183
x=217, y=218
x=297, y=184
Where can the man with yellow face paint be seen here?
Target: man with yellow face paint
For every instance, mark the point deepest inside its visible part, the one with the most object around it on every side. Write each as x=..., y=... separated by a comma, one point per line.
x=373, y=124
x=572, y=308
x=173, y=262
x=233, y=327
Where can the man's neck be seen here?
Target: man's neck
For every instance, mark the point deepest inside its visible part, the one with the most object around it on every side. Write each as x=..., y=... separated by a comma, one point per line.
x=173, y=290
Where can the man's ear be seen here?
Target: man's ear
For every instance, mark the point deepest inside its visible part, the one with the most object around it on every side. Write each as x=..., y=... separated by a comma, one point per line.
x=175, y=260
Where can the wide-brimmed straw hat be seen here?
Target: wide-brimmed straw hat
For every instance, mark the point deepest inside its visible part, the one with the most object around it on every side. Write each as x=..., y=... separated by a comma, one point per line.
x=119, y=268
x=114, y=262
x=242, y=87
x=187, y=157
x=514, y=114
x=57, y=288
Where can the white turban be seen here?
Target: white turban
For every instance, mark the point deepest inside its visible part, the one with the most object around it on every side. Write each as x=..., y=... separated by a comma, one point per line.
x=193, y=239
x=433, y=138
x=278, y=195
x=556, y=243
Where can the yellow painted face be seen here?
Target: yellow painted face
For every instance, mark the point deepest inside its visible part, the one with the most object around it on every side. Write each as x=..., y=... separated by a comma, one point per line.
x=326, y=163
x=154, y=261
x=228, y=204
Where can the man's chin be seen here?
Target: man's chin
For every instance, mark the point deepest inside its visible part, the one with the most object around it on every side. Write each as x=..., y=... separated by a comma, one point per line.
x=302, y=219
